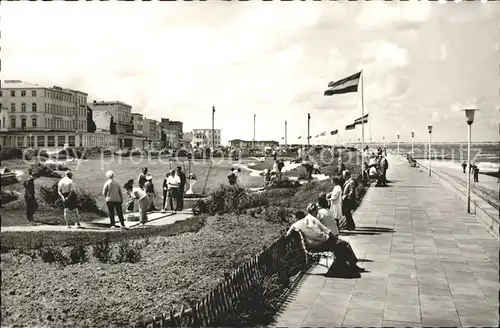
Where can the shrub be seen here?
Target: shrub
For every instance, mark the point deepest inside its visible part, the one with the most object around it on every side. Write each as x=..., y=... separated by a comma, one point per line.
x=10, y=153
x=102, y=251
x=35, y=152
x=128, y=253
x=86, y=201
x=42, y=170
x=284, y=182
x=8, y=196
x=78, y=254
x=53, y=254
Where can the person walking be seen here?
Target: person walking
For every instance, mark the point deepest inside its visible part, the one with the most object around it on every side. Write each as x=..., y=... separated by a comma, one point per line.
x=182, y=188
x=476, y=173
x=464, y=166
x=348, y=200
x=166, y=191
x=336, y=200
x=67, y=191
x=142, y=197
x=112, y=192
x=141, y=180
x=384, y=166
x=173, y=182
x=29, y=196
x=149, y=188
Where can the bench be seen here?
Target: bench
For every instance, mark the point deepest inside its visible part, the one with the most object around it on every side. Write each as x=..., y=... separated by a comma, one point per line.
x=413, y=163
x=316, y=256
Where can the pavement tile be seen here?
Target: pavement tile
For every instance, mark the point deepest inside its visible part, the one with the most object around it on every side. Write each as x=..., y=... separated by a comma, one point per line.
x=401, y=313
x=440, y=318
x=400, y=324
x=438, y=267
x=479, y=321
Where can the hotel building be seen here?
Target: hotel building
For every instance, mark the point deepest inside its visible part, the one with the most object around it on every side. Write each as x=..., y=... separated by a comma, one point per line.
x=203, y=138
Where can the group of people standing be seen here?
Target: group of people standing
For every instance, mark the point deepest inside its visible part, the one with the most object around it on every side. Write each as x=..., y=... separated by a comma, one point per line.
x=474, y=169
x=173, y=193
x=376, y=168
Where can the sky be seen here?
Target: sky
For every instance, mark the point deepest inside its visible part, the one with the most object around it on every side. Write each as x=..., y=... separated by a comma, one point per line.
x=421, y=63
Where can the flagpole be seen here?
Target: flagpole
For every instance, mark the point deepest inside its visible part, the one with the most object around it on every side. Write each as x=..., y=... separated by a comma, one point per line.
x=285, y=135
x=362, y=125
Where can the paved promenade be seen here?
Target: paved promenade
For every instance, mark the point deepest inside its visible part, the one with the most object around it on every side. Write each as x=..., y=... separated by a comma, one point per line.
x=438, y=267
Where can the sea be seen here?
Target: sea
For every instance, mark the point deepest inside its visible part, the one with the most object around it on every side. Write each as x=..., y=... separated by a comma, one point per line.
x=485, y=154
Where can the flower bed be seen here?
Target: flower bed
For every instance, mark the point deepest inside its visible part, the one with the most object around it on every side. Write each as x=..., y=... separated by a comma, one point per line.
x=172, y=271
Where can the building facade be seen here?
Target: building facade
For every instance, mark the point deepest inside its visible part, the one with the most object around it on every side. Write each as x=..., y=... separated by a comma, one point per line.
x=203, y=138
x=172, y=132
x=41, y=116
x=122, y=120
x=258, y=144
x=152, y=133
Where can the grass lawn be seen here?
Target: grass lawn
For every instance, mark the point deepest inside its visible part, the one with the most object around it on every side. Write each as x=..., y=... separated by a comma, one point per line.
x=90, y=175
x=173, y=271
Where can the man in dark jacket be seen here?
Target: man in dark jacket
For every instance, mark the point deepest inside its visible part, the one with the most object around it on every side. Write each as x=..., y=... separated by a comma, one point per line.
x=348, y=200
x=384, y=165
x=464, y=166
x=180, y=194
x=475, y=170
x=142, y=178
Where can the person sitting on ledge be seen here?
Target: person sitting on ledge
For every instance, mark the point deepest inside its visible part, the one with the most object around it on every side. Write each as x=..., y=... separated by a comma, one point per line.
x=319, y=238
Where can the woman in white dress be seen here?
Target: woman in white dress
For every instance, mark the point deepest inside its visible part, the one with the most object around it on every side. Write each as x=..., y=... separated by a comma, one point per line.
x=336, y=200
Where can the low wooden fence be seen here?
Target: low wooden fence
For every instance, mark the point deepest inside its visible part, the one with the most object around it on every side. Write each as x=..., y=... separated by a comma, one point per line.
x=228, y=292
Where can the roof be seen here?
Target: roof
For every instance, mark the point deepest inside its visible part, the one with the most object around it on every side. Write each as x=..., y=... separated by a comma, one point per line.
x=108, y=103
x=137, y=114
x=18, y=84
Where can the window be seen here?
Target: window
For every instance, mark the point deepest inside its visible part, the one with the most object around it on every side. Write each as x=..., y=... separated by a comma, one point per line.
x=1, y=94
x=33, y=122
x=3, y=122
x=60, y=141
x=20, y=141
x=40, y=141
x=33, y=107
x=71, y=141
x=13, y=122
x=23, y=93
x=23, y=123
x=31, y=141
x=33, y=93
x=12, y=93
x=13, y=107
x=51, y=141
x=23, y=107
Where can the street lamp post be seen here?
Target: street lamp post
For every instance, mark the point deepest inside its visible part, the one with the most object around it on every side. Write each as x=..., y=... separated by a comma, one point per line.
x=429, y=127
x=412, y=136
x=469, y=116
x=213, y=127
x=383, y=138
x=308, y=126
x=398, y=145
x=285, y=133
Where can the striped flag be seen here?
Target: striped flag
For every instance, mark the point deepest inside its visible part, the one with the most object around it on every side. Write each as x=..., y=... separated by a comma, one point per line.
x=346, y=85
x=358, y=120
x=350, y=126
x=334, y=132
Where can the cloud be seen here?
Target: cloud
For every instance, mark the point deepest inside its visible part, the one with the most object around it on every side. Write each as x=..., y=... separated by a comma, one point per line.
x=398, y=15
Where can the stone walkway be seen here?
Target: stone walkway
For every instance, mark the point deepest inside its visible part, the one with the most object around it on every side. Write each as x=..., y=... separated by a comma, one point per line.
x=154, y=219
x=439, y=266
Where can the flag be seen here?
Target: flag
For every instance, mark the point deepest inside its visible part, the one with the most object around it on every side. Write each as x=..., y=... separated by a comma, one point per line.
x=334, y=132
x=316, y=136
x=346, y=85
x=350, y=126
x=323, y=134
x=282, y=138
x=358, y=120
x=299, y=137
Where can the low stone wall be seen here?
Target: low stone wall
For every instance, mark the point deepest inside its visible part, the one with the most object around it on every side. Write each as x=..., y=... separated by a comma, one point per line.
x=37, y=239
